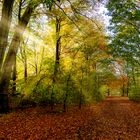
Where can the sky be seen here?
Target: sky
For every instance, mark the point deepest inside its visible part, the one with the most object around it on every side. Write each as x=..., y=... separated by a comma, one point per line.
x=102, y=10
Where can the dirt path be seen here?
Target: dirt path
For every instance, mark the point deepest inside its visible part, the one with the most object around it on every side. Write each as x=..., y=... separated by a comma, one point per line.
x=116, y=118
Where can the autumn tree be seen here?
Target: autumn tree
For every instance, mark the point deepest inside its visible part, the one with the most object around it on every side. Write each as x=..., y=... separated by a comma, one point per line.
x=64, y=75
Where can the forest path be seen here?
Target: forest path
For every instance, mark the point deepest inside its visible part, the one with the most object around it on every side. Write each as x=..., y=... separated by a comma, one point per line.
x=116, y=118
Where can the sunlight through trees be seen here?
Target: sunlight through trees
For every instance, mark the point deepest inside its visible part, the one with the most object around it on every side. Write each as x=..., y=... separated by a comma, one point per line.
x=59, y=52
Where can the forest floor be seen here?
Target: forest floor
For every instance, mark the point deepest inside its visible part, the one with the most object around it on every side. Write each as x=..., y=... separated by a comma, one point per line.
x=116, y=118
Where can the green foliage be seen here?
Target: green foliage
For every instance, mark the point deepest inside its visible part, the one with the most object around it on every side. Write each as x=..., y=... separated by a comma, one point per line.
x=125, y=40
x=135, y=87
x=125, y=27
x=135, y=93
x=49, y=3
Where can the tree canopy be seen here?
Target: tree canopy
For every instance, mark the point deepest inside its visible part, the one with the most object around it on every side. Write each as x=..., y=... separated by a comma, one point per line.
x=58, y=51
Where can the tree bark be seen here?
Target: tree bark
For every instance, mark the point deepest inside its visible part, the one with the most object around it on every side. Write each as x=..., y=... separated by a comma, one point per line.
x=5, y=26
x=57, y=58
x=123, y=87
x=66, y=95
x=24, y=59
x=25, y=69
x=81, y=88
x=35, y=60
x=58, y=45
x=14, y=77
x=5, y=22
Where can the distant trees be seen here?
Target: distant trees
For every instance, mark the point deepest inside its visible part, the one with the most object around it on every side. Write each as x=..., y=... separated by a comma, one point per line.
x=125, y=39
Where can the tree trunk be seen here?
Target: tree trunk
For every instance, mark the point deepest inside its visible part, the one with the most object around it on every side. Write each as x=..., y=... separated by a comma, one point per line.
x=25, y=70
x=4, y=103
x=123, y=89
x=81, y=89
x=133, y=76
x=66, y=95
x=127, y=88
x=24, y=59
x=5, y=26
x=35, y=60
x=42, y=58
x=108, y=91
x=65, y=102
x=58, y=38
x=25, y=64
x=57, y=58
x=9, y=61
x=14, y=77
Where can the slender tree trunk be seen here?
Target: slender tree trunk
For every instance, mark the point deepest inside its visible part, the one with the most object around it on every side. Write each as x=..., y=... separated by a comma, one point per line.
x=123, y=87
x=25, y=64
x=133, y=76
x=58, y=45
x=5, y=26
x=14, y=77
x=14, y=66
x=25, y=70
x=66, y=95
x=57, y=58
x=35, y=60
x=108, y=91
x=24, y=59
x=81, y=90
x=42, y=58
x=65, y=102
x=127, y=88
